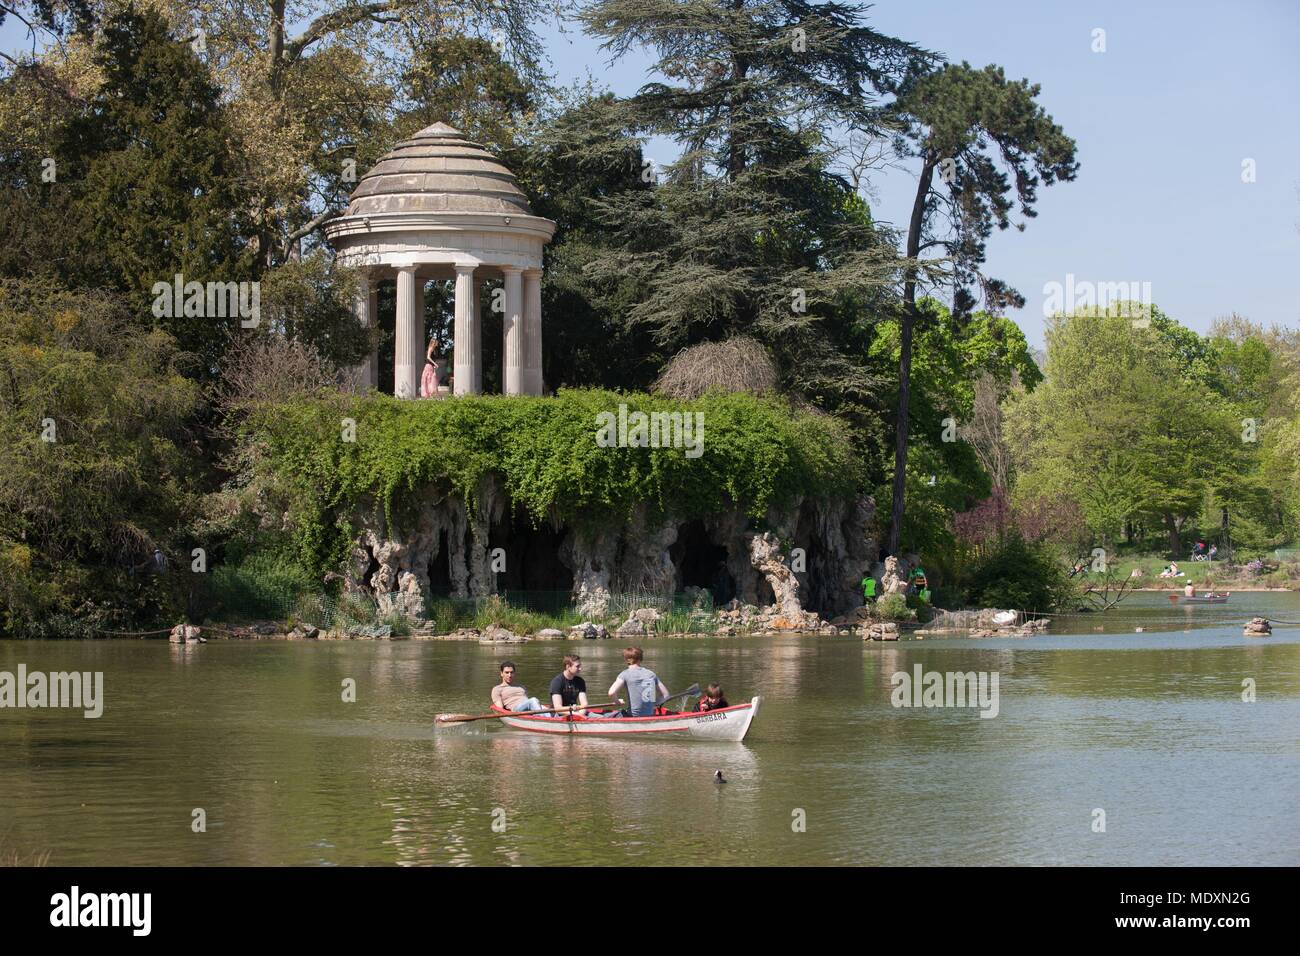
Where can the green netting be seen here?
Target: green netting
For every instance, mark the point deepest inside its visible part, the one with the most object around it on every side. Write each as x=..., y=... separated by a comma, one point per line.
x=242, y=599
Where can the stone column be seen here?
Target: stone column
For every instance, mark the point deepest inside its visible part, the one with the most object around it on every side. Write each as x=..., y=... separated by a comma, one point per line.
x=512, y=353
x=408, y=363
x=476, y=335
x=533, y=330
x=467, y=359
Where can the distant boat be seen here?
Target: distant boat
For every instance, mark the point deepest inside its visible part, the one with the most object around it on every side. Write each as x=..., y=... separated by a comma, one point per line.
x=1210, y=598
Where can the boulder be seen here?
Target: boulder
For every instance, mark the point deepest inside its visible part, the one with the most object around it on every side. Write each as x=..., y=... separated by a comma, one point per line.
x=496, y=634
x=186, y=634
x=586, y=631
x=1257, y=627
x=549, y=634
x=371, y=632
x=880, y=632
x=641, y=622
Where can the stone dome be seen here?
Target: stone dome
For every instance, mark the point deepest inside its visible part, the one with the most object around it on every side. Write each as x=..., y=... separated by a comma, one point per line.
x=437, y=171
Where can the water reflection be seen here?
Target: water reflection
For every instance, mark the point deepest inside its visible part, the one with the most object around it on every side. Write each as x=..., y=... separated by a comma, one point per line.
x=1151, y=726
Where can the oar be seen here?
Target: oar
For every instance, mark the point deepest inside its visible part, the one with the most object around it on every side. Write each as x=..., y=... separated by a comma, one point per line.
x=466, y=718
x=688, y=692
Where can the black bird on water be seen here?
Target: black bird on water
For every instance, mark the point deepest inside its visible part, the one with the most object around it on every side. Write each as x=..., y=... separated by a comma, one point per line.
x=718, y=777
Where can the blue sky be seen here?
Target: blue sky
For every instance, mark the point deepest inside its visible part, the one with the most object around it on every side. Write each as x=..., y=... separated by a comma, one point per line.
x=1164, y=118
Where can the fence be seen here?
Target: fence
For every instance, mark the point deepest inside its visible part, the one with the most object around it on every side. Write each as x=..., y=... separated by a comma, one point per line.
x=680, y=612
x=519, y=610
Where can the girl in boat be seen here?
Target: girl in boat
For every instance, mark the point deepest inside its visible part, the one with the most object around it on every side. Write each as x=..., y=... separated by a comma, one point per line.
x=713, y=699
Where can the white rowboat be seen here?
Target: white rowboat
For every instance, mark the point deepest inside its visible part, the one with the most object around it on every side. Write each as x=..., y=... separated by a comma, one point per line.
x=729, y=723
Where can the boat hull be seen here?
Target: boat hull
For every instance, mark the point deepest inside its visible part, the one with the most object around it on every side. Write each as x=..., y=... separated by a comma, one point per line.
x=729, y=723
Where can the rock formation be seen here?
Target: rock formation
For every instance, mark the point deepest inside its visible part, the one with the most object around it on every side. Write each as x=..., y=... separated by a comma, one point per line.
x=395, y=554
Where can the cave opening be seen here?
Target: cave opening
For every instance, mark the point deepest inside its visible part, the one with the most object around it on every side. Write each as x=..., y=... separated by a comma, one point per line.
x=532, y=556
x=440, y=567
x=701, y=563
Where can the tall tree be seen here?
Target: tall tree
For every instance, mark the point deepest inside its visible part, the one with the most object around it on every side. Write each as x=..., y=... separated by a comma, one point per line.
x=150, y=165
x=749, y=231
x=991, y=145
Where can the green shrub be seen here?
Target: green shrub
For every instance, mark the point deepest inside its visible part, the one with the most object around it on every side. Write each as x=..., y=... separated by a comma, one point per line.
x=1020, y=575
x=893, y=607
x=265, y=585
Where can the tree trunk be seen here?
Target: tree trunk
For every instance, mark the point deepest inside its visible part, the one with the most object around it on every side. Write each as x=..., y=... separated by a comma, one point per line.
x=1175, y=540
x=905, y=355
x=735, y=146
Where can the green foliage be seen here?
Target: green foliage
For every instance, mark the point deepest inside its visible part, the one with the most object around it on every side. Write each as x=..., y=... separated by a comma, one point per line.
x=894, y=607
x=1001, y=146
x=1119, y=428
x=156, y=182
x=1018, y=575
x=262, y=585
x=756, y=454
x=97, y=463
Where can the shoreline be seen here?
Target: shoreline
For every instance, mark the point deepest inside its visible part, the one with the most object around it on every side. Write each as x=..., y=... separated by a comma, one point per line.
x=1243, y=589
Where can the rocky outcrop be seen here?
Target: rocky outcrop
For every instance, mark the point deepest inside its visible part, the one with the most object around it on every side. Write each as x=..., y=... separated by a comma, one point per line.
x=1257, y=627
x=893, y=580
x=395, y=554
x=988, y=622
x=882, y=631
x=186, y=634
x=766, y=556
x=640, y=623
x=496, y=634
x=391, y=558
x=586, y=631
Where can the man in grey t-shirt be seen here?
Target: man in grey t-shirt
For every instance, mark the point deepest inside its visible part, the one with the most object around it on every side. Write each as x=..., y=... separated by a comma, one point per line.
x=641, y=683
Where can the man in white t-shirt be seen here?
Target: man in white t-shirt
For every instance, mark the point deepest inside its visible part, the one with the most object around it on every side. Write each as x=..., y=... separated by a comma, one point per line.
x=642, y=685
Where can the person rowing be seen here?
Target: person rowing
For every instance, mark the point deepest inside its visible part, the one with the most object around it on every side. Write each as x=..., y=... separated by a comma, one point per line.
x=642, y=684
x=568, y=689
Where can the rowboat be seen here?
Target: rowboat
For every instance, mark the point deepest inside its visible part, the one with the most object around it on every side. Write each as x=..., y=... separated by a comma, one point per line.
x=1208, y=599
x=728, y=723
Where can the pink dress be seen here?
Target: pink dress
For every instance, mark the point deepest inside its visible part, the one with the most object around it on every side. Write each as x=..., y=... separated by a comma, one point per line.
x=428, y=381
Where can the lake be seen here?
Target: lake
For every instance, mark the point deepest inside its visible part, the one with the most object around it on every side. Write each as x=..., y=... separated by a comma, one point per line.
x=1148, y=727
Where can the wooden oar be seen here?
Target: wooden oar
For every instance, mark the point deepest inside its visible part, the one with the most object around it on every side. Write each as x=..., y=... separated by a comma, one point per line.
x=466, y=718
x=688, y=692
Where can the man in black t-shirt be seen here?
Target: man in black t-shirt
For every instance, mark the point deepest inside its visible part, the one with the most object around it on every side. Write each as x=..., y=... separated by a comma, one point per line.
x=568, y=688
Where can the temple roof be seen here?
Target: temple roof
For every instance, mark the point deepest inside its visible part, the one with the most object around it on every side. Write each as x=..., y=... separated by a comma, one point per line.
x=437, y=170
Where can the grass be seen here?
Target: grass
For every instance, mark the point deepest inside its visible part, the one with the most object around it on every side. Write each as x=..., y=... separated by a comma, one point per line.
x=1220, y=573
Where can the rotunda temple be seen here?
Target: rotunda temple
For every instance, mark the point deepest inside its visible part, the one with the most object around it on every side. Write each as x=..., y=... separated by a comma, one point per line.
x=440, y=207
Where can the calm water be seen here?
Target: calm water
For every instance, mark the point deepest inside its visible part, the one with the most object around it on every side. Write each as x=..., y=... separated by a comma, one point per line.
x=1148, y=726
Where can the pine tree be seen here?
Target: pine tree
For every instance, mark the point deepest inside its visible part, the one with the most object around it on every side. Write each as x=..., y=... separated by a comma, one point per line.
x=970, y=127
x=750, y=230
